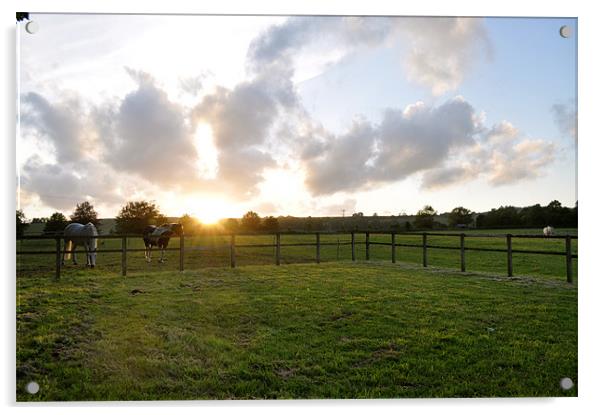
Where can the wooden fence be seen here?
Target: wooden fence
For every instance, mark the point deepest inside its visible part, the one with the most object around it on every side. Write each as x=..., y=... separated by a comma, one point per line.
x=567, y=253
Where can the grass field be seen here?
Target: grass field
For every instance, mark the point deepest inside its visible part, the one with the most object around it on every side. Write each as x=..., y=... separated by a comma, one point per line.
x=335, y=330
x=217, y=253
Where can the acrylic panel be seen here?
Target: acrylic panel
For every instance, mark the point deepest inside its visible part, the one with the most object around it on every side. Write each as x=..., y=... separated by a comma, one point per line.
x=295, y=207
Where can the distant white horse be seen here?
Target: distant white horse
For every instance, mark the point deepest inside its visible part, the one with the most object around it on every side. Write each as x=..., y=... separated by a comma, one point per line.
x=77, y=234
x=548, y=231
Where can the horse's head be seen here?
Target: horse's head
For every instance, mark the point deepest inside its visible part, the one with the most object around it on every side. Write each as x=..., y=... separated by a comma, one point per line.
x=177, y=228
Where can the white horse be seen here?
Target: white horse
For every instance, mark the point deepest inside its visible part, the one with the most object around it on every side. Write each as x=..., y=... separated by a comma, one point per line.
x=548, y=231
x=77, y=234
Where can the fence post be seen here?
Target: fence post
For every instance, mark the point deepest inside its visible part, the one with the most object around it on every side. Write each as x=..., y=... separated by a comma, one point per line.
x=57, y=274
x=367, y=246
x=182, y=253
x=509, y=248
x=317, y=247
x=393, y=247
x=232, y=251
x=462, y=254
x=277, y=249
x=569, y=260
x=124, y=258
x=353, y=246
x=424, y=263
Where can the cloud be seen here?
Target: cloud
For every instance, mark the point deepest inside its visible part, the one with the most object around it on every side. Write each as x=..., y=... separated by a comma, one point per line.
x=438, y=178
x=343, y=162
x=61, y=124
x=525, y=160
x=111, y=151
x=193, y=84
x=280, y=43
x=62, y=186
x=241, y=120
x=405, y=142
x=443, y=50
x=422, y=137
x=448, y=144
x=148, y=136
x=565, y=117
x=440, y=50
x=501, y=155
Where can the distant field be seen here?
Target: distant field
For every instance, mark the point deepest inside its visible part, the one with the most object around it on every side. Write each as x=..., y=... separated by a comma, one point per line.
x=216, y=253
x=338, y=330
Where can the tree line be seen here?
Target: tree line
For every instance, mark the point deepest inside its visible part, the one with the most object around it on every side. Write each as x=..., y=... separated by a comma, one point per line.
x=135, y=216
x=84, y=213
x=536, y=216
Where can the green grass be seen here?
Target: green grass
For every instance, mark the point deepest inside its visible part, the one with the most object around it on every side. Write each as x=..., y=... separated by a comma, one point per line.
x=336, y=330
x=218, y=255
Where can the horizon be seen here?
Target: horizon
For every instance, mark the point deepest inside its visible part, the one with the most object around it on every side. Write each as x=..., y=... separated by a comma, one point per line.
x=298, y=116
x=346, y=215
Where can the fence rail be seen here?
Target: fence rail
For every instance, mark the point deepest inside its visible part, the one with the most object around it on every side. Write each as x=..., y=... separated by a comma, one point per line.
x=232, y=246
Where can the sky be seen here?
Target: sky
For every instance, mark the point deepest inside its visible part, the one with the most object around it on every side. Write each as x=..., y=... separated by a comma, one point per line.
x=306, y=116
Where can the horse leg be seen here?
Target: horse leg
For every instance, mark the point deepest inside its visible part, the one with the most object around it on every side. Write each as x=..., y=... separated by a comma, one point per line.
x=87, y=249
x=150, y=250
x=162, y=248
x=73, y=246
x=64, y=253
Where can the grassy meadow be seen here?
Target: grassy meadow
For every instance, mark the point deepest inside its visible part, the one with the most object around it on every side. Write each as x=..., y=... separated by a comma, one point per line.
x=214, y=252
x=336, y=330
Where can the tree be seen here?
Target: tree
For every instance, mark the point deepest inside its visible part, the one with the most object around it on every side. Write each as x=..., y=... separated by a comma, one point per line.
x=251, y=221
x=21, y=223
x=271, y=224
x=460, y=216
x=533, y=216
x=231, y=225
x=84, y=213
x=135, y=216
x=190, y=224
x=425, y=217
x=55, y=223
x=504, y=216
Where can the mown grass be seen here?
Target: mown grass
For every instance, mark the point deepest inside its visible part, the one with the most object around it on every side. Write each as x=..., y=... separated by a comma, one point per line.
x=336, y=330
x=216, y=253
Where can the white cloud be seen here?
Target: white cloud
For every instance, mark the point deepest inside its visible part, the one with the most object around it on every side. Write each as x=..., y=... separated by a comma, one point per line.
x=440, y=50
x=447, y=143
x=403, y=143
x=565, y=117
x=443, y=50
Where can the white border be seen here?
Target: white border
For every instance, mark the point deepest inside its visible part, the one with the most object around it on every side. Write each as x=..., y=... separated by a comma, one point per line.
x=589, y=153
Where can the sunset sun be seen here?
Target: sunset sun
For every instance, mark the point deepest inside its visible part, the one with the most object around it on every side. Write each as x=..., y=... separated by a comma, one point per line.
x=210, y=211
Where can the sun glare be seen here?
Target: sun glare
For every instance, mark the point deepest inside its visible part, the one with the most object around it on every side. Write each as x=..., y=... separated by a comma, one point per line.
x=211, y=211
x=207, y=152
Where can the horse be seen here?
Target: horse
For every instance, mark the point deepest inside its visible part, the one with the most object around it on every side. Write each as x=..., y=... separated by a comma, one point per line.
x=77, y=234
x=548, y=231
x=159, y=236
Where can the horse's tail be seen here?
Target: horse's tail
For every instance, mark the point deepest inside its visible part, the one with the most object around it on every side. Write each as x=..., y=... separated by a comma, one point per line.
x=68, y=249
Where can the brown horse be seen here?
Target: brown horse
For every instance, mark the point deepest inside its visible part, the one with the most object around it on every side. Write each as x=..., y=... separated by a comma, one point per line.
x=159, y=236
